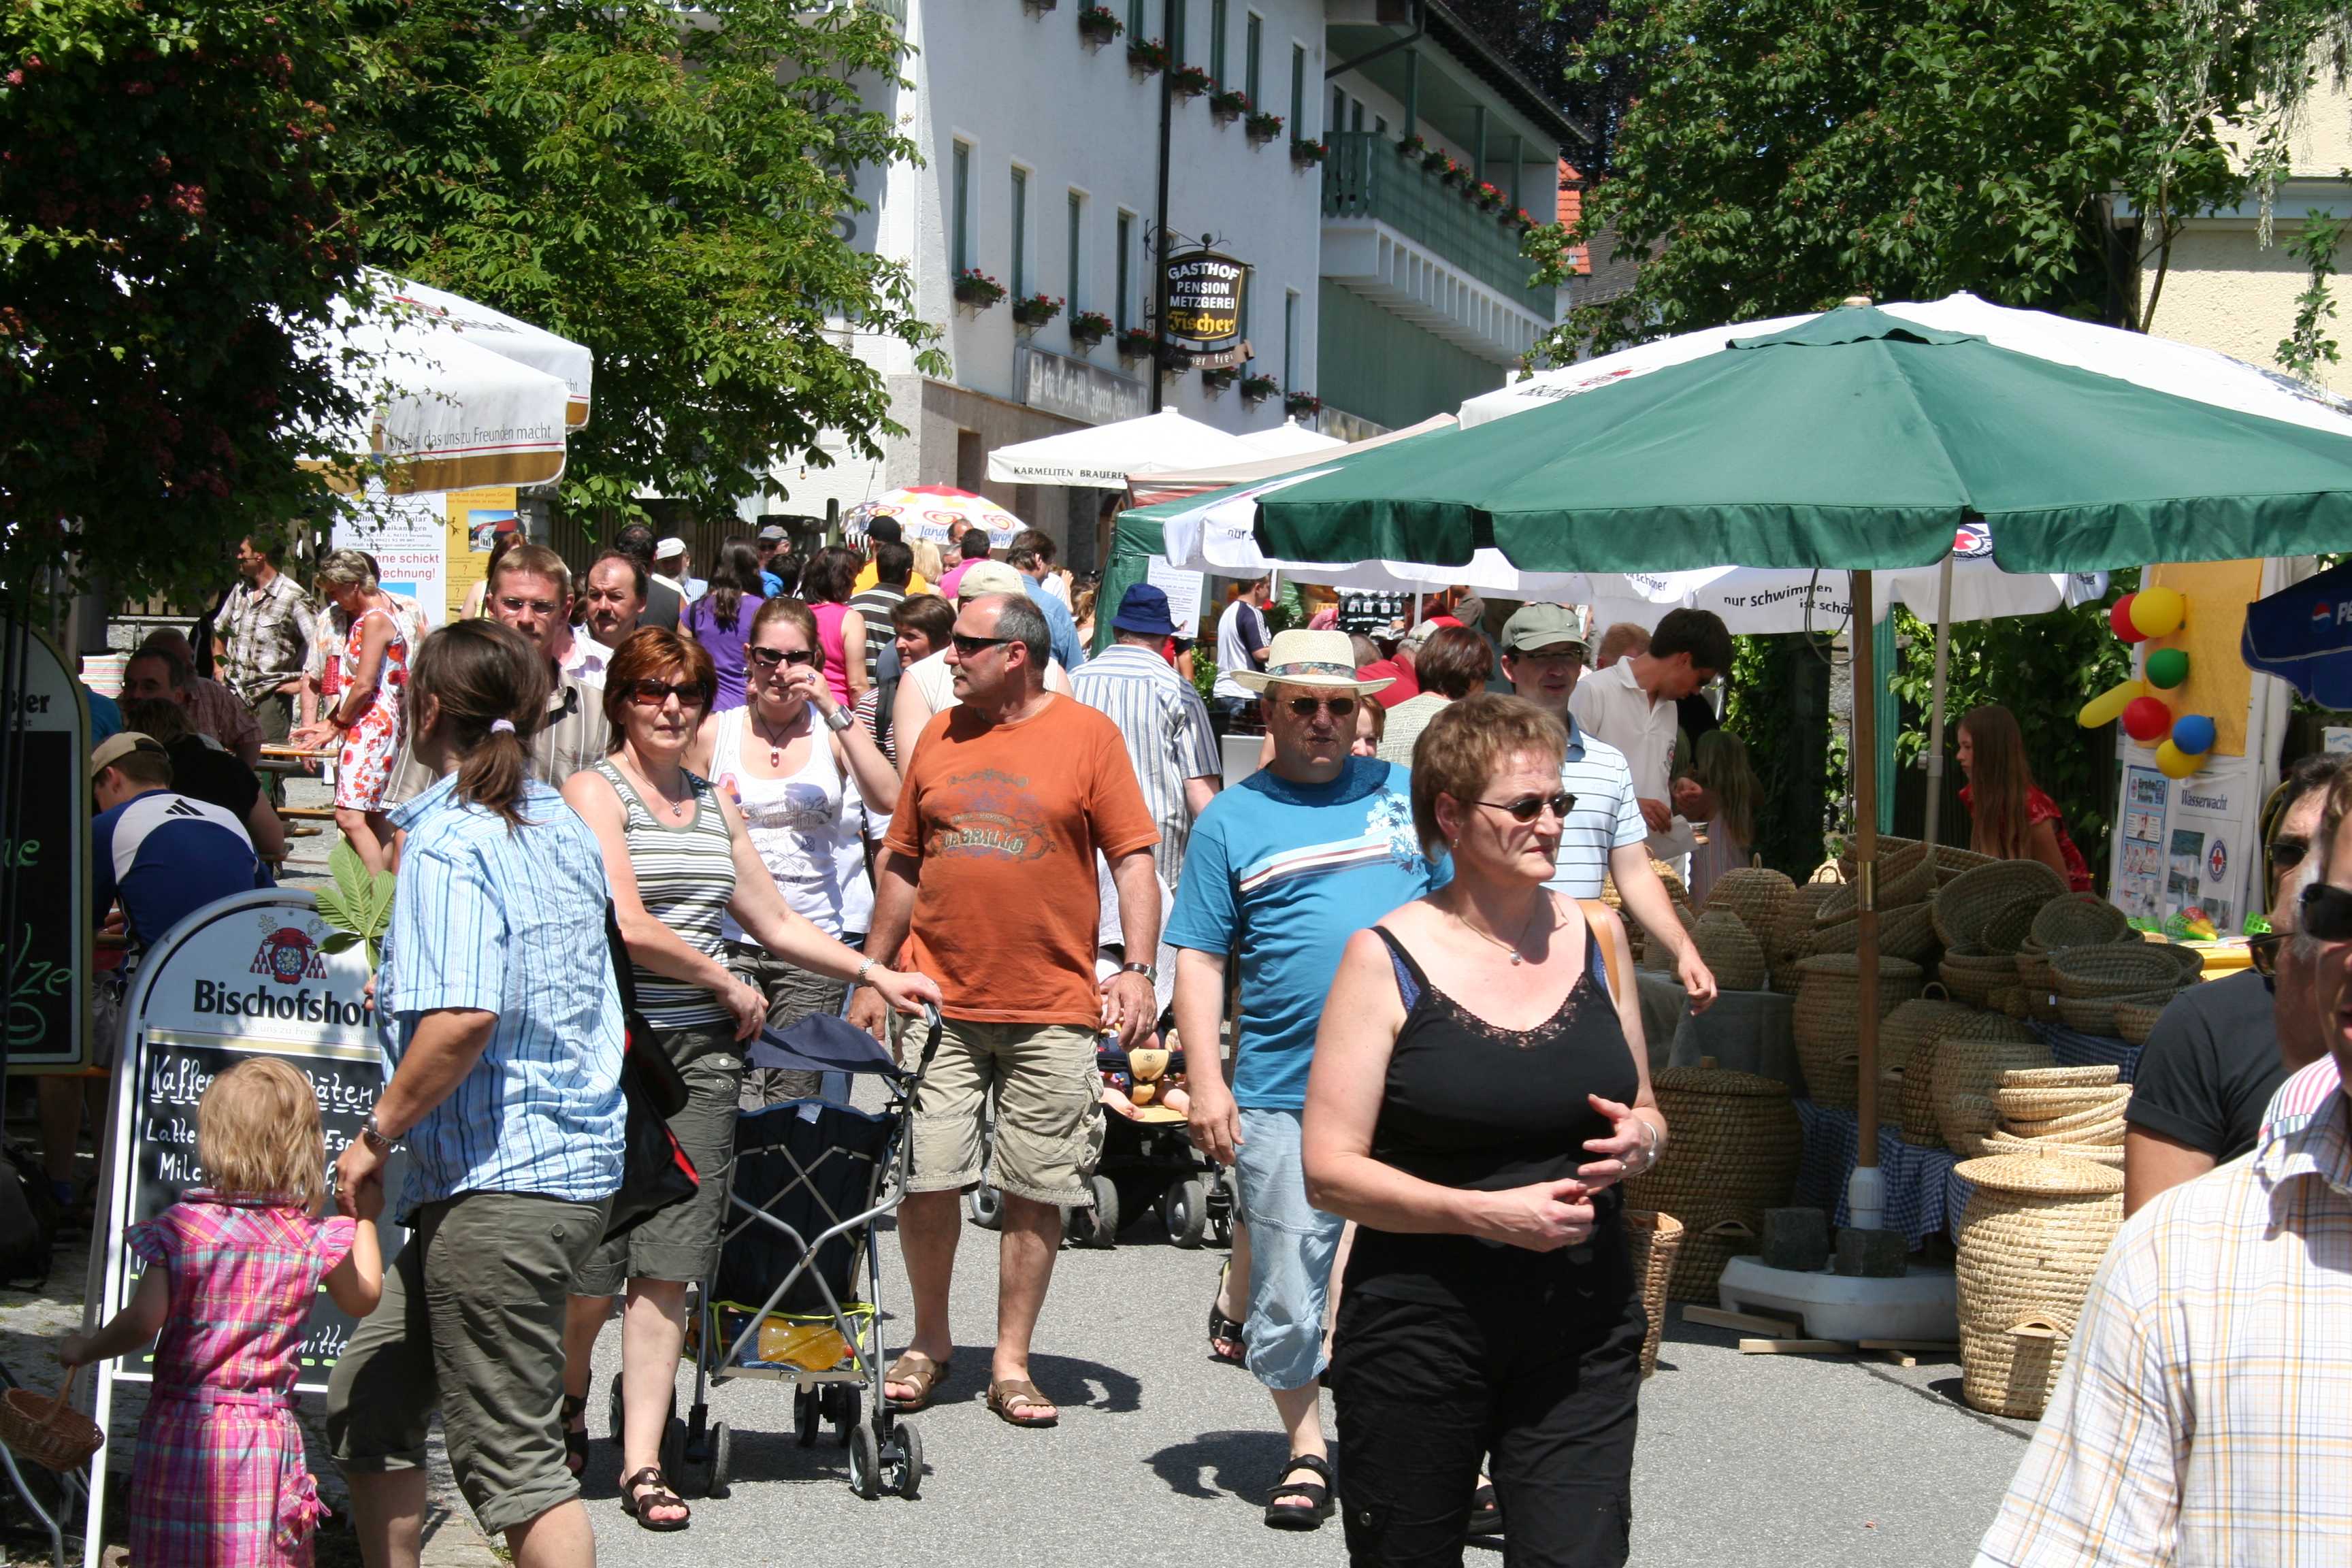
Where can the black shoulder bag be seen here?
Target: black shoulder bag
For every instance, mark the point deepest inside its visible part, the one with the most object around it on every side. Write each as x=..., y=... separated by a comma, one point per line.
x=655, y=1171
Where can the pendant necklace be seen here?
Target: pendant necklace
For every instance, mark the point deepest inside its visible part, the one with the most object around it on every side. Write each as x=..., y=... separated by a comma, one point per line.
x=775, y=747
x=1517, y=956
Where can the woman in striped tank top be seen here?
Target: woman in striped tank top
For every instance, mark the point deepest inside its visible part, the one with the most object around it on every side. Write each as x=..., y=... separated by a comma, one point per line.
x=679, y=863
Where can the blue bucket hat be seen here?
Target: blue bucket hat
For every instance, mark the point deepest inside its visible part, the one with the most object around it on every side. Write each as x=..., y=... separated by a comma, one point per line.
x=1143, y=610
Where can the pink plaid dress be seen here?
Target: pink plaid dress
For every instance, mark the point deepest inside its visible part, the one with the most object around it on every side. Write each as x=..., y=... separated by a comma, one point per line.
x=221, y=1480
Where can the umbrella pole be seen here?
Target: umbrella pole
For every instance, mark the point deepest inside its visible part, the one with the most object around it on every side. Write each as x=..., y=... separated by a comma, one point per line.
x=1866, y=1190
x=1935, y=710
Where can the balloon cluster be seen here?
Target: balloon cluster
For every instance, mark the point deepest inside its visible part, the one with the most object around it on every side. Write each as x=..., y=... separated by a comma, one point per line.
x=2181, y=744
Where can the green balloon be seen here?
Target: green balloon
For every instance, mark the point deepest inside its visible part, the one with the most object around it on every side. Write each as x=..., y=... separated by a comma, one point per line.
x=2166, y=667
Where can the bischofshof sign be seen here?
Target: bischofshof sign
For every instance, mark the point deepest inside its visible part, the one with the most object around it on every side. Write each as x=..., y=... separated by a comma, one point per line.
x=1206, y=292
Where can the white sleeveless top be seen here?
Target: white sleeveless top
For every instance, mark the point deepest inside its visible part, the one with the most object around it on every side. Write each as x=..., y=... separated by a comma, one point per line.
x=807, y=828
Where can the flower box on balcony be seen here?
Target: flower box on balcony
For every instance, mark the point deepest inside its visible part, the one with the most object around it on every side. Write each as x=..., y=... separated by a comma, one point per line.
x=1145, y=56
x=1228, y=105
x=1307, y=153
x=1217, y=378
x=1490, y=198
x=1302, y=405
x=1089, y=328
x=1258, y=388
x=1434, y=160
x=977, y=290
x=1412, y=147
x=1137, y=343
x=1098, y=25
x=1189, y=81
x=1263, y=128
x=1521, y=220
x=1035, y=311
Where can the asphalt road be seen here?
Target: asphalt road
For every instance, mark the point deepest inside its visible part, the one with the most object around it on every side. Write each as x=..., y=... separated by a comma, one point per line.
x=1164, y=1456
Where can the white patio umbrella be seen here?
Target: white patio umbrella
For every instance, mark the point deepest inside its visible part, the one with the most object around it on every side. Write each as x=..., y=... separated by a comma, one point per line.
x=1102, y=456
x=1290, y=438
x=506, y=337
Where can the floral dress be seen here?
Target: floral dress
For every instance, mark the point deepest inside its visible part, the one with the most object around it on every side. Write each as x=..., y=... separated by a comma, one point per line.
x=372, y=742
x=220, y=1478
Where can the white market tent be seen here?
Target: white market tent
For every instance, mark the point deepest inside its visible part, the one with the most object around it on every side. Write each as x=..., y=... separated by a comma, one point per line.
x=1290, y=438
x=1103, y=456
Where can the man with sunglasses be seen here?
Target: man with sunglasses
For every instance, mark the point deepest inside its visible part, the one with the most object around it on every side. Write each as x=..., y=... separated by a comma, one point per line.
x=1283, y=868
x=2222, y=1049
x=2205, y=1412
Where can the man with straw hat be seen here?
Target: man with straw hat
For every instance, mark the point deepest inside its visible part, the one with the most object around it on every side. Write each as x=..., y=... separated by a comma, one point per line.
x=1283, y=867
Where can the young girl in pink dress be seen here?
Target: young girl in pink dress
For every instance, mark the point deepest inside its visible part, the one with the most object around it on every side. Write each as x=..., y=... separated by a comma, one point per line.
x=220, y=1478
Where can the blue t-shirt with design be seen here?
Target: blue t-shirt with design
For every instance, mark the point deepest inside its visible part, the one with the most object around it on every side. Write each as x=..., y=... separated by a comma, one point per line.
x=1286, y=873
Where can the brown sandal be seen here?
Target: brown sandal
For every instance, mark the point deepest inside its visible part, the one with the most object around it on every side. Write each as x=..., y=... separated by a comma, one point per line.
x=646, y=1489
x=1013, y=1396
x=926, y=1376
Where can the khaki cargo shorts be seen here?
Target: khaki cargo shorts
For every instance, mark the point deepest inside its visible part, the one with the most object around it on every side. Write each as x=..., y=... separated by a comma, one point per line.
x=1048, y=1110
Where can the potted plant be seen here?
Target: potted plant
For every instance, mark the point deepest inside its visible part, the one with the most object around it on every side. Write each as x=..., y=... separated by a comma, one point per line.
x=1217, y=377
x=1413, y=146
x=1189, y=81
x=977, y=290
x=1228, y=104
x=1257, y=389
x=1137, y=343
x=1263, y=128
x=1307, y=153
x=1089, y=328
x=1521, y=220
x=1098, y=25
x=1034, y=311
x=1145, y=56
x=1489, y=198
x=1302, y=405
x=1434, y=160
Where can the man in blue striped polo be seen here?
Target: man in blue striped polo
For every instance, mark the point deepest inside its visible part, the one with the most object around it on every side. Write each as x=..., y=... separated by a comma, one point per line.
x=1162, y=720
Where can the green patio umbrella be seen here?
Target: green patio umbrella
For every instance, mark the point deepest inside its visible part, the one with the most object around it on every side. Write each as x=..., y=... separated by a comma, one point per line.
x=1854, y=441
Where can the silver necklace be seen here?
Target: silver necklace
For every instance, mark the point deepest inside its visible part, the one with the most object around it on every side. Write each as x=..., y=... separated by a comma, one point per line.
x=775, y=746
x=1517, y=956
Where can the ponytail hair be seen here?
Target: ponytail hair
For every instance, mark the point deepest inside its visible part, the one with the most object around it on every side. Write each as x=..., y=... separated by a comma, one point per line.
x=478, y=673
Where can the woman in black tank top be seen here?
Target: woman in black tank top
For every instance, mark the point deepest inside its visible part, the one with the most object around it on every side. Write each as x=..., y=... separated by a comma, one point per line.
x=1477, y=1093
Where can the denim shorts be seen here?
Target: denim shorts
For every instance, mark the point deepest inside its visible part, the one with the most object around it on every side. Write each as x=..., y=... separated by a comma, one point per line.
x=1291, y=1248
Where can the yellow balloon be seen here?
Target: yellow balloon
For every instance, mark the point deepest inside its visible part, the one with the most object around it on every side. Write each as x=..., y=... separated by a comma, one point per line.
x=2158, y=611
x=2175, y=763
x=2109, y=705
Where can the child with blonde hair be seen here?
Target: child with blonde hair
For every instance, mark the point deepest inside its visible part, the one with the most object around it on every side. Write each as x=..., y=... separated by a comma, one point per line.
x=220, y=1478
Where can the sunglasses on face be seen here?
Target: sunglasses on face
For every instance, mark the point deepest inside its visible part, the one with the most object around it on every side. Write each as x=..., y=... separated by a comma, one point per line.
x=1339, y=706
x=536, y=607
x=768, y=657
x=2261, y=952
x=2326, y=914
x=967, y=647
x=653, y=693
x=1528, y=807
x=2286, y=854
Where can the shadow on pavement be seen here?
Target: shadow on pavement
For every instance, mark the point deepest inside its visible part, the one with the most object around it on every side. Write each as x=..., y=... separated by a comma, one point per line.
x=1244, y=1465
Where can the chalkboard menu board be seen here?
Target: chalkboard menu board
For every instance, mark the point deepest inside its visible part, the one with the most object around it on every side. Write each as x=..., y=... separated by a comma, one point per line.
x=245, y=977
x=45, y=922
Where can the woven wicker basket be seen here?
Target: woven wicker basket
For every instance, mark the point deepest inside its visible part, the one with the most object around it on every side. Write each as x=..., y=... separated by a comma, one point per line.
x=2120, y=969
x=1793, y=934
x=1733, y=1154
x=1970, y=1056
x=2106, y=1134
x=2103, y=1076
x=2018, y=1104
x=1755, y=896
x=2011, y=926
x=2011, y=1002
x=1972, y=975
x=2088, y=1124
x=1892, y=848
x=1913, y=1022
x=1999, y=1142
x=1917, y=1106
x=1731, y=951
x=2080, y=920
x=2034, y=969
x=1653, y=1240
x=1826, y=1021
x=1951, y=860
x=1906, y=876
x=1965, y=903
x=1656, y=955
x=2032, y=1236
x=1907, y=933
x=2135, y=1021
x=47, y=1429
x=2096, y=1015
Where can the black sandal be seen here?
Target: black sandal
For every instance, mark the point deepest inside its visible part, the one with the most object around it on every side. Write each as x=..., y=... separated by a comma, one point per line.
x=575, y=1444
x=1317, y=1497
x=645, y=1490
x=1223, y=1329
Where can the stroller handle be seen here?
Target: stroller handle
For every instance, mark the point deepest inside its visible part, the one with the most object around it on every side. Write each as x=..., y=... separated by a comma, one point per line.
x=931, y=1025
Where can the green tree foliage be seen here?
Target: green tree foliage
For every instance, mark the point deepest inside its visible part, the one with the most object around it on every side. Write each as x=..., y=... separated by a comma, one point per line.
x=2308, y=344
x=1783, y=154
x=665, y=187
x=169, y=240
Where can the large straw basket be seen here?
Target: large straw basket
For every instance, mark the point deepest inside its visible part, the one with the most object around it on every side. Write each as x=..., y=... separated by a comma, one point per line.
x=1826, y=1023
x=1972, y=974
x=1970, y=1056
x=1755, y=896
x=2096, y=1015
x=1731, y=951
x=1907, y=874
x=2010, y=927
x=2115, y=970
x=2055, y=1104
x=1918, y=1106
x=1734, y=1153
x=1999, y=1142
x=2032, y=1238
x=2135, y=1021
x=1951, y=860
x=1913, y=1022
x=1792, y=933
x=1907, y=933
x=1653, y=1240
x=2105, y=1075
x=1844, y=936
x=1965, y=903
x=47, y=1429
x=2080, y=920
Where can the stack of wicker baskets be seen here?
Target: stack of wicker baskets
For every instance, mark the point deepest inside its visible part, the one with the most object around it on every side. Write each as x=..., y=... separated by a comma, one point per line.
x=1970, y=1056
x=1826, y=1025
x=1733, y=1154
x=1794, y=935
x=2077, y=1112
x=2030, y=1241
x=1907, y=1040
x=2089, y=981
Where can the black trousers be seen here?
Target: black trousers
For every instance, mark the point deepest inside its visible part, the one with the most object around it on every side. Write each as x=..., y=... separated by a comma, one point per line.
x=1540, y=1376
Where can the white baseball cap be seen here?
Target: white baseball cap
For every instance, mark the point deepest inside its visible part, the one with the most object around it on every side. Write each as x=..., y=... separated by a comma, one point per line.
x=673, y=545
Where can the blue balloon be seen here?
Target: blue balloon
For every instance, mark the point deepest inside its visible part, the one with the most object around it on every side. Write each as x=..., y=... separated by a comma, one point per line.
x=2193, y=733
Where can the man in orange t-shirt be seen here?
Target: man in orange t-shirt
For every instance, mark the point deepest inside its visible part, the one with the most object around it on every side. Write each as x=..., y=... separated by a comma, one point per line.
x=990, y=873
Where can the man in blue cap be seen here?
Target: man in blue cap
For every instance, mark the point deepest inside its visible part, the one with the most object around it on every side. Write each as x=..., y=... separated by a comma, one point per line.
x=1162, y=718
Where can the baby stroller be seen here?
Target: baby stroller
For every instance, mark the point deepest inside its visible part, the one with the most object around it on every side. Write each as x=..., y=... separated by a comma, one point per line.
x=796, y=1298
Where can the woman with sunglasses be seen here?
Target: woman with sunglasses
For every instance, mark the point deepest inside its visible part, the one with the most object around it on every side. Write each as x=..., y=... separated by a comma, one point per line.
x=1479, y=1089
x=811, y=786
x=679, y=864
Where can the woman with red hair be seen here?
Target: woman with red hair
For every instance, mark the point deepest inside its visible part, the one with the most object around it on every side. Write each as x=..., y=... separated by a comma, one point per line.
x=2013, y=819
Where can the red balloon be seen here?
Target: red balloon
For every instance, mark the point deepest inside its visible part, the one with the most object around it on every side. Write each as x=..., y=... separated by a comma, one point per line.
x=2146, y=719
x=2119, y=618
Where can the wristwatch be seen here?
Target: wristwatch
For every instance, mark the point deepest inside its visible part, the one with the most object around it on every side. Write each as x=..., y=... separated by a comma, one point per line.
x=1149, y=971
x=840, y=719
x=373, y=1135
x=859, y=978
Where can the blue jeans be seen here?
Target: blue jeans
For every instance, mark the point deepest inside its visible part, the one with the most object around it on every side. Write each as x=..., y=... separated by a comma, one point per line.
x=1291, y=1248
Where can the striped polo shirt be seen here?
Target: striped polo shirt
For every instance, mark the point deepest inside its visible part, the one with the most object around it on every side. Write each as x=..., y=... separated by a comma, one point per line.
x=1166, y=727
x=685, y=876
x=1607, y=816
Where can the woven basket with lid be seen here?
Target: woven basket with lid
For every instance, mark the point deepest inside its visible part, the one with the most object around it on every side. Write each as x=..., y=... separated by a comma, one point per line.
x=1792, y=933
x=1913, y=1022
x=1755, y=896
x=1733, y=1153
x=1970, y=1057
x=2030, y=1241
x=1826, y=1023
x=1918, y=1106
x=1965, y=903
x=1731, y=951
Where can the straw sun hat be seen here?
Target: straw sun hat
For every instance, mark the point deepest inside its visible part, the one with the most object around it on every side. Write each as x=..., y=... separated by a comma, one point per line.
x=1323, y=661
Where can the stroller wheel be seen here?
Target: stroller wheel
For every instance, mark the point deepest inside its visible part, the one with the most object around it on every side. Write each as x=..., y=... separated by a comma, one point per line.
x=984, y=1206
x=1099, y=1227
x=865, y=1463
x=720, y=1443
x=1185, y=1207
x=806, y=1417
x=909, y=1456
x=616, y=1408
x=673, y=1448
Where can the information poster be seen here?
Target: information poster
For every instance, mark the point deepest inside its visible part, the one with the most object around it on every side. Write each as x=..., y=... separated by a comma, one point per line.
x=473, y=522
x=2186, y=856
x=408, y=536
x=2139, y=861
x=1183, y=590
x=45, y=857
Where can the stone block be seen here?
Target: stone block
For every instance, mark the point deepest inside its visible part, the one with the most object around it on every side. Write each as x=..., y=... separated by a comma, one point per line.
x=1873, y=1254
x=1796, y=1238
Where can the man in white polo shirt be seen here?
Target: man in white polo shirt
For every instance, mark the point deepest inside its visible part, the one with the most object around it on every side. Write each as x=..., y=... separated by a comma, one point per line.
x=1544, y=650
x=1631, y=705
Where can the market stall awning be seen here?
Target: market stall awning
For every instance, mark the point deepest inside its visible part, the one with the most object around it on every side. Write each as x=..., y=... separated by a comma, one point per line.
x=2303, y=635
x=505, y=336
x=1103, y=456
x=1289, y=439
x=929, y=511
x=1151, y=489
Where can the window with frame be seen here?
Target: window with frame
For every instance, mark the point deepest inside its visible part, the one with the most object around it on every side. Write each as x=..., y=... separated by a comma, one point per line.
x=1298, y=90
x=1217, y=42
x=1019, y=231
x=1122, y=306
x=960, y=210
x=1078, y=255
x=1290, y=340
x=1252, y=53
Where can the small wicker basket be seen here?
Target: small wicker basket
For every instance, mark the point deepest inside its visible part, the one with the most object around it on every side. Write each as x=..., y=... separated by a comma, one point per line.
x=1652, y=1239
x=2032, y=1236
x=1919, y=1125
x=2012, y=925
x=1968, y=900
x=1755, y=896
x=2079, y=919
x=2117, y=970
x=2135, y=1021
x=2096, y=1015
x=2107, y=1154
x=2057, y=1102
x=1907, y=933
x=1972, y=975
x=1731, y=951
x=1907, y=874
x=47, y=1429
